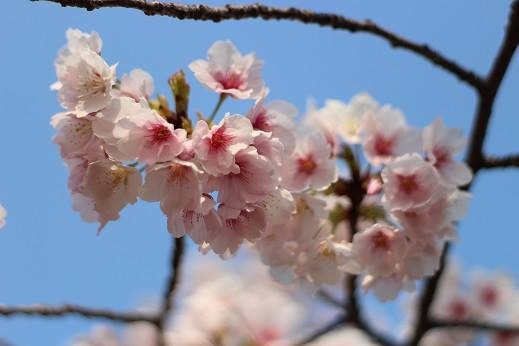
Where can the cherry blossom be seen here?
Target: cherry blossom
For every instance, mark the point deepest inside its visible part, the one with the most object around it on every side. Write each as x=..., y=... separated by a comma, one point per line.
x=386, y=135
x=253, y=182
x=228, y=72
x=3, y=215
x=175, y=184
x=379, y=249
x=110, y=187
x=216, y=147
x=276, y=117
x=84, y=81
x=74, y=134
x=311, y=165
x=411, y=182
x=441, y=144
x=137, y=84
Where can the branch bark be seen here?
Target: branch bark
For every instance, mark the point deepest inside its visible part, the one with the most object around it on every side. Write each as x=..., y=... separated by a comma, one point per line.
x=71, y=309
x=240, y=12
x=484, y=326
x=177, y=253
x=509, y=161
x=474, y=157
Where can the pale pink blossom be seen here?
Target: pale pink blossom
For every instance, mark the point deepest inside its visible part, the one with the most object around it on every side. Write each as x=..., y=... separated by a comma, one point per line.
x=324, y=123
x=379, y=249
x=387, y=287
x=78, y=40
x=73, y=134
x=253, y=182
x=110, y=187
x=491, y=292
x=276, y=117
x=278, y=207
x=351, y=115
x=310, y=165
x=441, y=144
x=386, y=135
x=84, y=82
x=422, y=258
x=228, y=72
x=216, y=147
x=201, y=224
x=3, y=215
x=411, y=182
x=247, y=225
x=175, y=184
x=269, y=147
x=137, y=84
x=147, y=137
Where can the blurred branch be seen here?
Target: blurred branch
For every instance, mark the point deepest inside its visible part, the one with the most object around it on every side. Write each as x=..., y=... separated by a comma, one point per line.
x=239, y=12
x=70, y=309
x=481, y=326
x=474, y=157
x=177, y=253
x=508, y=161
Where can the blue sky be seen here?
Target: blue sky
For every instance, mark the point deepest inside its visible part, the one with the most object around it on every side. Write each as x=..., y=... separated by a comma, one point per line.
x=48, y=255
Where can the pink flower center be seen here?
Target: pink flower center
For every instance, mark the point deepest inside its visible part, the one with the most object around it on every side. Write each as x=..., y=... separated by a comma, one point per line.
x=220, y=140
x=489, y=296
x=381, y=241
x=230, y=80
x=441, y=156
x=306, y=164
x=383, y=146
x=458, y=309
x=267, y=335
x=262, y=122
x=159, y=134
x=407, y=183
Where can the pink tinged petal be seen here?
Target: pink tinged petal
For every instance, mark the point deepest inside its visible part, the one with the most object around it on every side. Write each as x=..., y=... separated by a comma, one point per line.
x=138, y=84
x=3, y=215
x=248, y=225
x=111, y=186
x=74, y=134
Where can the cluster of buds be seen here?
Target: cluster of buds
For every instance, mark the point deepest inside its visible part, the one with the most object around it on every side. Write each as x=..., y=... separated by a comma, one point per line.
x=260, y=178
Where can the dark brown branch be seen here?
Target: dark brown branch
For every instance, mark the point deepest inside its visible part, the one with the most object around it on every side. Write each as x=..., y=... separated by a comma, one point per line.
x=177, y=253
x=70, y=309
x=239, y=12
x=482, y=326
x=474, y=157
x=509, y=161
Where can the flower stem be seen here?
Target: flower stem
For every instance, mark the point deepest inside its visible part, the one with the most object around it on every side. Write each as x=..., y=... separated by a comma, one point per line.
x=217, y=107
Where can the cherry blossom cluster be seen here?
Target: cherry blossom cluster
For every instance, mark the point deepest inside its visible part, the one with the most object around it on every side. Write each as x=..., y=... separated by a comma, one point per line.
x=481, y=297
x=260, y=178
x=231, y=307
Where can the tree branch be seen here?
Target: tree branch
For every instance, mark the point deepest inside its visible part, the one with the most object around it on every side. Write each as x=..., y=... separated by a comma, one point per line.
x=485, y=326
x=509, y=161
x=70, y=309
x=474, y=157
x=240, y=12
x=177, y=253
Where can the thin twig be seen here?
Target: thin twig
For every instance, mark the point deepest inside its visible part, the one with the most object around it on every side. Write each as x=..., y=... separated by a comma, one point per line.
x=509, y=161
x=239, y=12
x=474, y=157
x=485, y=326
x=177, y=253
x=71, y=309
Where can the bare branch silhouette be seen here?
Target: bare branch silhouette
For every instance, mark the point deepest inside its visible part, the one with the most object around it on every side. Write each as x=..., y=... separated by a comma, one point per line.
x=474, y=156
x=509, y=161
x=72, y=309
x=239, y=12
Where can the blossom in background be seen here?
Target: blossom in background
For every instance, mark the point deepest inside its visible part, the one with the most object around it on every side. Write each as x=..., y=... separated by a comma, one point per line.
x=3, y=215
x=227, y=72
